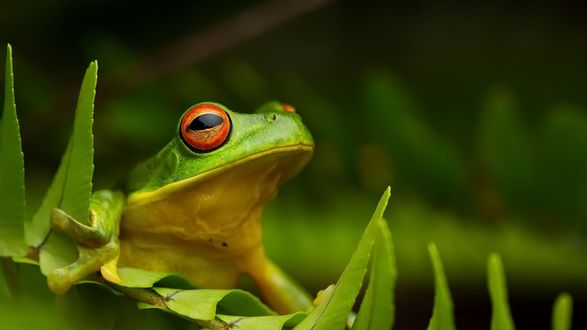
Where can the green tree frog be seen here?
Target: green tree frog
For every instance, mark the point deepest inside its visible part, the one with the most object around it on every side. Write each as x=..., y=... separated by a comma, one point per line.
x=195, y=207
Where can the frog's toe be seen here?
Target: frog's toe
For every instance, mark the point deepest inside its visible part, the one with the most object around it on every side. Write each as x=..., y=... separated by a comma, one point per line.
x=322, y=295
x=110, y=272
x=59, y=281
x=59, y=219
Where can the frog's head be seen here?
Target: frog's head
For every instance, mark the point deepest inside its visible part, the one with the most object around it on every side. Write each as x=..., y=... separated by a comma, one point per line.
x=214, y=145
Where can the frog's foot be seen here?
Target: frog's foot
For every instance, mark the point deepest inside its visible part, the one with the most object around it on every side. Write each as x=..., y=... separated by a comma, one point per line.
x=110, y=270
x=97, y=246
x=90, y=260
x=281, y=293
x=324, y=294
x=92, y=235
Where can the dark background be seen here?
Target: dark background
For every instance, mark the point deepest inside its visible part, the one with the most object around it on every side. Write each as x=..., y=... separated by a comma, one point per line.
x=473, y=113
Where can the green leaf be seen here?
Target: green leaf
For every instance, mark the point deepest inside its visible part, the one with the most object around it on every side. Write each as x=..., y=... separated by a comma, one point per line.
x=12, y=198
x=140, y=278
x=77, y=187
x=263, y=322
x=562, y=312
x=501, y=318
x=442, y=317
x=561, y=177
x=57, y=251
x=72, y=186
x=504, y=148
x=332, y=313
x=25, y=260
x=377, y=310
x=426, y=160
x=102, y=285
x=40, y=225
x=203, y=304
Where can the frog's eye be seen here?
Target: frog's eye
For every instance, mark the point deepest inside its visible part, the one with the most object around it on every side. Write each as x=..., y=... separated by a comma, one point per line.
x=205, y=127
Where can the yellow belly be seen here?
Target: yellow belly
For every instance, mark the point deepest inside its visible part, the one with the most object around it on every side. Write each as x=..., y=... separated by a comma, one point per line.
x=210, y=233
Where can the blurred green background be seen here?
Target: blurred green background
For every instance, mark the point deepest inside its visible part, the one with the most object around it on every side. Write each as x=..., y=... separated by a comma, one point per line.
x=473, y=114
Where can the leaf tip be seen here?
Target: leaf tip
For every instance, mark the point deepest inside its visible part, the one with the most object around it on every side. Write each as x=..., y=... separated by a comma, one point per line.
x=562, y=312
x=564, y=300
x=93, y=68
x=387, y=192
x=494, y=261
x=432, y=249
x=8, y=64
x=382, y=205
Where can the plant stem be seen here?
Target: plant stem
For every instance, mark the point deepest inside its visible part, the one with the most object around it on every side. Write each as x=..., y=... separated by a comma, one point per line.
x=151, y=297
x=143, y=295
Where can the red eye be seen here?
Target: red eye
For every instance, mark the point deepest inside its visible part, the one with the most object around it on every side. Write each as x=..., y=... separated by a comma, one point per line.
x=205, y=127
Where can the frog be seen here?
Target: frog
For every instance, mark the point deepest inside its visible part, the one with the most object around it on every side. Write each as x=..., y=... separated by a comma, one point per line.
x=195, y=207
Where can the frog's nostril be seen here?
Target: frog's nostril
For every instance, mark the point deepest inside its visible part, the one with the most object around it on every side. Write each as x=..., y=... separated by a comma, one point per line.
x=272, y=117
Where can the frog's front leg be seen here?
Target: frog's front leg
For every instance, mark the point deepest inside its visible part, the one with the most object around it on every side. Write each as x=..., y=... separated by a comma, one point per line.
x=97, y=242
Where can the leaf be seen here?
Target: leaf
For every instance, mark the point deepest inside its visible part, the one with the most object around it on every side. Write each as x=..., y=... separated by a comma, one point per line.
x=377, y=310
x=25, y=260
x=562, y=312
x=332, y=313
x=40, y=225
x=501, y=318
x=442, y=316
x=504, y=147
x=77, y=187
x=202, y=304
x=263, y=322
x=562, y=179
x=424, y=159
x=12, y=198
x=102, y=285
x=72, y=186
x=139, y=278
x=58, y=251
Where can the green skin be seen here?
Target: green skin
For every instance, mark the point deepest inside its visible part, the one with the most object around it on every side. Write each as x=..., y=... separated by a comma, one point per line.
x=281, y=140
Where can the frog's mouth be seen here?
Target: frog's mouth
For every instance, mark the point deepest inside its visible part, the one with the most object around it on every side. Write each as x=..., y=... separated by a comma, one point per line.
x=270, y=167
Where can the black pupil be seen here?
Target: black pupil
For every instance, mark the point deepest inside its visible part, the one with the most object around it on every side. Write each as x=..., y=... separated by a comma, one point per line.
x=205, y=121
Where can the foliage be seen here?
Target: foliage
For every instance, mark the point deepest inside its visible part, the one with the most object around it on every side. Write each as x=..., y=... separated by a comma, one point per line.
x=217, y=309
x=442, y=316
x=501, y=318
x=12, y=198
x=561, y=312
x=72, y=185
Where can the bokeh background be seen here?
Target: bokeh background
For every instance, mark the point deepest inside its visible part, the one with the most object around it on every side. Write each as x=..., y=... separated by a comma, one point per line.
x=473, y=114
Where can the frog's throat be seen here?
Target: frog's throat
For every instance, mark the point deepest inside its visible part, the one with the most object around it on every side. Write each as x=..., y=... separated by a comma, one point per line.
x=138, y=198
